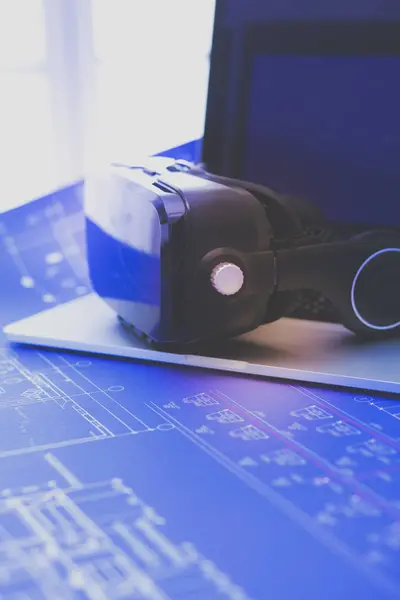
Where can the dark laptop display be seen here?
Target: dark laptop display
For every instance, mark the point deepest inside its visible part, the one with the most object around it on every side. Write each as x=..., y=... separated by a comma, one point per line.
x=305, y=98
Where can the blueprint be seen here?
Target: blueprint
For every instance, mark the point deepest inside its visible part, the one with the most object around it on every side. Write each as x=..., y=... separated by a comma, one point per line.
x=122, y=479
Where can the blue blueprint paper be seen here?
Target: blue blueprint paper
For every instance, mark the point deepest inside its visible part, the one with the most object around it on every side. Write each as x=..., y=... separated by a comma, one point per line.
x=130, y=480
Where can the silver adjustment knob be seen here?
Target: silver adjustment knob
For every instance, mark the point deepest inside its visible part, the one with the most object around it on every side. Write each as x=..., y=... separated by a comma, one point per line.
x=227, y=278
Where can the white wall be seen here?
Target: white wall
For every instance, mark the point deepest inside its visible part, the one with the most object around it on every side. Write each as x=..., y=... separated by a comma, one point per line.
x=88, y=79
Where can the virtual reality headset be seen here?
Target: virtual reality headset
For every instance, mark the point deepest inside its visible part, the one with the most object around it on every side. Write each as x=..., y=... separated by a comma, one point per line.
x=184, y=256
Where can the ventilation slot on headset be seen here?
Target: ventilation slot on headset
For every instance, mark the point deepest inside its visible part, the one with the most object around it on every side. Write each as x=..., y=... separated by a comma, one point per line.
x=162, y=187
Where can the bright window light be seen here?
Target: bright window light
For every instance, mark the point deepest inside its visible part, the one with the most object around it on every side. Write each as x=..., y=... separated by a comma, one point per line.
x=22, y=34
x=152, y=68
x=87, y=78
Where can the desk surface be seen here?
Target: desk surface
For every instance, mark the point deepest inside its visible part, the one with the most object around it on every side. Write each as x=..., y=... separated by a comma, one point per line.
x=123, y=480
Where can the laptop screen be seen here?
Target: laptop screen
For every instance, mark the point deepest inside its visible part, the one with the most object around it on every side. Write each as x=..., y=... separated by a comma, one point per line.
x=310, y=106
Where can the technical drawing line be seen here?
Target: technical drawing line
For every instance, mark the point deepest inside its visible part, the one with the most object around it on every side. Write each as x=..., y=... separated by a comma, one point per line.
x=23, y=371
x=49, y=398
x=69, y=477
x=93, y=421
x=88, y=394
x=37, y=379
x=139, y=548
x=111, y=413
x=16, y=403
x=292, y=511
x=39, y=491
x=153, y=535
x=104, y=392
x=50, y=446
x=349, y=418
x=79, y=407
x=364, y=491
x=387, y=470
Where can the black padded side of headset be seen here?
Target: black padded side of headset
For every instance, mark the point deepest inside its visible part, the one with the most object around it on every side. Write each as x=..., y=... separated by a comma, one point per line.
x=293, y=220
x=310, y=229
x=294, y=223
x=284, y=221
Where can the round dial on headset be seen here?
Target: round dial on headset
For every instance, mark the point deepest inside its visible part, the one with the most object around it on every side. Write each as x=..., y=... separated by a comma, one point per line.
x=227, y=278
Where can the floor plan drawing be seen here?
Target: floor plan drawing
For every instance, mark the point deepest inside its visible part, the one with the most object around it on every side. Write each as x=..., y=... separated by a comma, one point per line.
x=97, y=541
x=124, y=479
x=43, y=409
